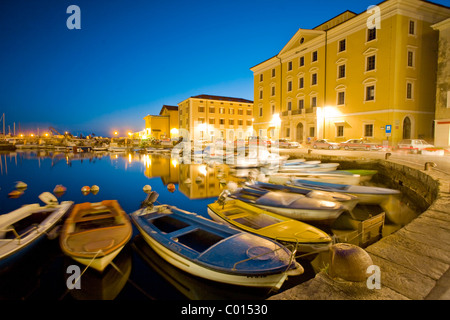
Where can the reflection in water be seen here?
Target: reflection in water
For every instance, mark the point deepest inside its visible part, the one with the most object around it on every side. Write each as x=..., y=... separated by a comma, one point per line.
x=122, y=176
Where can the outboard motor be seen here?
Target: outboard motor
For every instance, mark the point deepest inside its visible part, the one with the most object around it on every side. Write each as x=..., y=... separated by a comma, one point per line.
x=223, y=197
x=150, y=200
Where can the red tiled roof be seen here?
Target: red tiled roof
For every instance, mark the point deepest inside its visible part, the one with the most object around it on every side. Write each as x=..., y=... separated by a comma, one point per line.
x=170, y=108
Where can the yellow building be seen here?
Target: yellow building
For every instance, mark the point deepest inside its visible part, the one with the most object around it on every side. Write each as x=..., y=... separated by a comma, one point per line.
x=164, y=125
x=207, y=117
x=442, y=123
x=354, y=76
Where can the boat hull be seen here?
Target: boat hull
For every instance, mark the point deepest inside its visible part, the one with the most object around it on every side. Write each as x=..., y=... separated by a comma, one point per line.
x=271, y=281
x=12, y=250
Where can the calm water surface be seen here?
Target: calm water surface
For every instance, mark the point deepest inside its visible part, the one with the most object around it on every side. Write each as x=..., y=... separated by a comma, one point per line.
x=141, y=273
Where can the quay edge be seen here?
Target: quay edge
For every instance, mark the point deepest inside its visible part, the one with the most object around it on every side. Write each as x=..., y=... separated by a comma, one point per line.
x=415, y=260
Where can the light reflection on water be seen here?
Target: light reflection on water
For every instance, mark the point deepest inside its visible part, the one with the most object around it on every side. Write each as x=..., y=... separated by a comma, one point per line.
x=119, y=176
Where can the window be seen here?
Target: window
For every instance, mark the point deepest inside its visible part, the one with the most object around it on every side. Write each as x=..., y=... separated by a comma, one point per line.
x=410, y=58
x=368, y=130
x=412, y=28
x=261, y=77
x=273, y=73
x=260, y=111
x=314, y=56
x=289, y=105
x=201, y=120
x=273, y=109
x=212, y=121
x=312, y=131
x=273, y=90
x=341, y=98
x=302, y=61
x=370, y=93
x=289, y=65
x=339, y=131
x=240, y=112
x=231, y=122
x=341, y=71
x=370, y=63
x=409, y=90
x=249, y=112
x=342, y=45
x=314, y=79
x=249, y=122
x=289, y=86
x=222, y=110
x=201, y=109
x=222, y=121
x=301, y=83
x=260, y=94
x=301, y=104
x=211, y=110
x=288, y=132
x=240, y=122
x=371, y=34
x=231, y=111
x=313, y=102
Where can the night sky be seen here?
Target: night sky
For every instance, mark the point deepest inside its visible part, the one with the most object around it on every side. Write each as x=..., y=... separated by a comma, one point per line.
x=131, y=57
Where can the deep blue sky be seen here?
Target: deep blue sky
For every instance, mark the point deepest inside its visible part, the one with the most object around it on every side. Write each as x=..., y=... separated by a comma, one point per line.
x=131, y=57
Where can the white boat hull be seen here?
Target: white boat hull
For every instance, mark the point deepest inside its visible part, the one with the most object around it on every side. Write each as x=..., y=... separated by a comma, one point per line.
x=273, y=281
x=11, y=247
x=305, y=215
x=99, y=263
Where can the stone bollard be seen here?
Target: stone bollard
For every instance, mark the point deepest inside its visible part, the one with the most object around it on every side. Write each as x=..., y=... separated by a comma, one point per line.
x=429, y=165
x=349, y=262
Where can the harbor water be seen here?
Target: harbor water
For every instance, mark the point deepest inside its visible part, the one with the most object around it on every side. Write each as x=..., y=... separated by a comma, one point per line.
x=138, y=272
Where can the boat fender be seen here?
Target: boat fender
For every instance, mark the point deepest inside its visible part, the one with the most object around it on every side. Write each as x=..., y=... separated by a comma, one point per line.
x=349, y=262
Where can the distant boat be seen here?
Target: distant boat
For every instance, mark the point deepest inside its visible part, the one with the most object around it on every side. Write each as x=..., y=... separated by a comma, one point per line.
x=214, y=251
x=366, y=175
x=310, y=167
x=292, y=205
x=95, y=233
x=365, y=194
x=244, y=216
x=22, y=229
x=331, y=177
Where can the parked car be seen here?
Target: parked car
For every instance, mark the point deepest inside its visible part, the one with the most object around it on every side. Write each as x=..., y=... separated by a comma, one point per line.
x=259, y=141
x=286, y=143
x=325, y=144
x=414, y=145
x=364, y=144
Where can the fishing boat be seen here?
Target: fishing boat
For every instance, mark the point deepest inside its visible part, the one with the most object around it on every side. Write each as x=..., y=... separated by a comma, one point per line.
x=348, y=201
x=211, y=250
x=292, y=205
x=365, y=194
x=365, y=174
x=331, y=176
x=22, y=229
x=310, y=167
x=95, y=233
x=244, y=216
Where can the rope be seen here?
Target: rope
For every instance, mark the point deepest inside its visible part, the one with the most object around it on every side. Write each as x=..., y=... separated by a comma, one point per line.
x=79, y=277
x=132, y=282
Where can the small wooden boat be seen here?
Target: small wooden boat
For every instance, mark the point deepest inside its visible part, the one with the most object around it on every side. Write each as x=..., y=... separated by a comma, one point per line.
x=292, y=205
x=214, y=251
x=365, y=194
x=22, y=229
x=348, y=201
x=244, y=216
x=95, y=233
